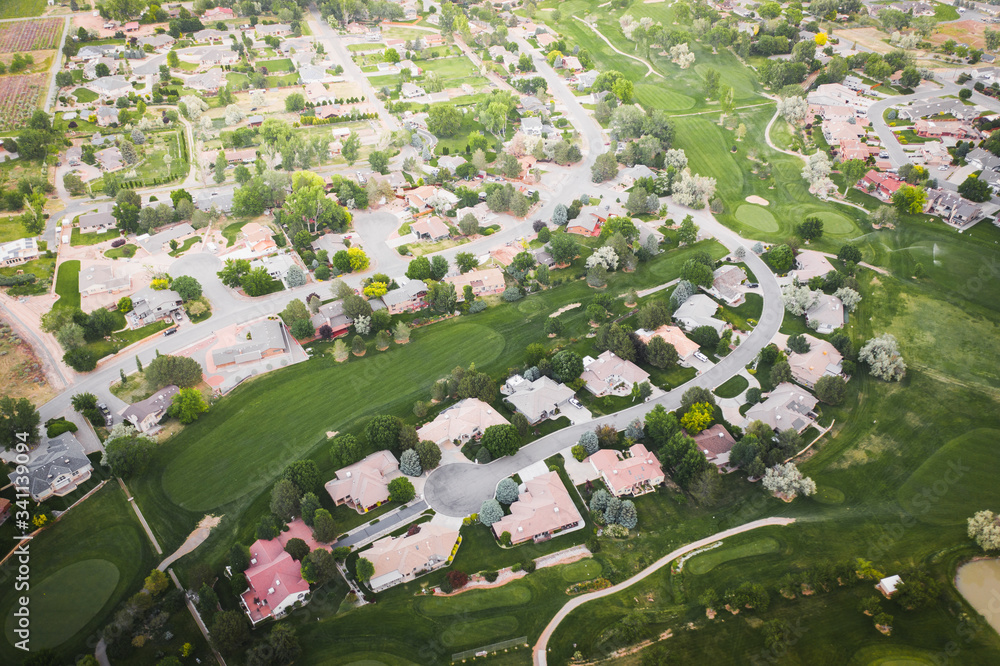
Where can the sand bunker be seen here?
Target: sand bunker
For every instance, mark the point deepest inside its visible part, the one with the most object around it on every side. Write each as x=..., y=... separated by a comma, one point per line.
x=754, y=199
x=564, y=309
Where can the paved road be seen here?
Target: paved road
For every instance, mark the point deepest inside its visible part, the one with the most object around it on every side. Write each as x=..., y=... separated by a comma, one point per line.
x=541, y=647
x=459, y=489
x=50, y=98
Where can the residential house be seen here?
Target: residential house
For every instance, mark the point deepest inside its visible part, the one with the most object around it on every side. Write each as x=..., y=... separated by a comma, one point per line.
x=628, y=177
x=673, y=336
x=983, y=160
x=541, y=399
x=355, y=28
x=218, y=14
x=543, y=258
x=18, y=251
x=109, y=87
x=210, y=35
x=853, y=149
x=934, y=154
x=240, y=155
x=332, y=243
x=826, y=314
x=150, y=305
x=255, y=121
x=161, y=242
x=318, y=94
x=99, y=220
x=400, y=559
x=208, y=82
x=787, y=406
x=219, y=199
x=103, y=278
x=146, y=415
x=952, y=208
x=854, y=83
x=545, y=39
x=329, y=111
x=411, y=90
x=837, y=113
x=364, y=485
x=258, y=239
x=274, y=581
x=810, y=264
x=726, y=282
x=74, y=154
x=821, y=360
x=716, y=443
x=883, y=185
x=90, y=68
x=637, y=474
x=57, y=471
x=276, y=266
x=430, y=228
x=131, y=26
x=433, y=39
x=309, y=74
x=408, y=298
x=107, y=116
x=934, y=107
x=273, y=30
x=263, y=339
x=936, y=129
x=610, y=375
x=543, y=509
x=332, y=315
x=484, y=282
x=465, y=420
x=584, y=80
x=585, y=224
x=92, y=51
x=480, y=211
x=699, y=310
x=504, y=255
x=834, y=131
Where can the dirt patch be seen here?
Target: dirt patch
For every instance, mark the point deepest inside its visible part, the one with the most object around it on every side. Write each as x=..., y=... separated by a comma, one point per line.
x=760, y=201
x=23, y=373
x=871, y=38
x=565, y=309
x=969, y=32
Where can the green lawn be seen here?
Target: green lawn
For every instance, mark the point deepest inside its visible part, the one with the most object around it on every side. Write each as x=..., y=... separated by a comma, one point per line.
x=68, y=284
x=231, y=231
x=84, y=96
x=702, y=564
x=125, y=251
x=278, y=65
x=732, y=387
x=42, y=269
x=21, y=8
x=943, y=12
x=77, y=239
x=185, y=246
x=12, y=229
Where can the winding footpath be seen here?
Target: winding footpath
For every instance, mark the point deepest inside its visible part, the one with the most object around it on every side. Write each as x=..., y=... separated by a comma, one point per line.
x=541, y=647
x=650, y=72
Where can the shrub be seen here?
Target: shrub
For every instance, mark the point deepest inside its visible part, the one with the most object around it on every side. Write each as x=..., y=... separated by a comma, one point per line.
x=491, y=576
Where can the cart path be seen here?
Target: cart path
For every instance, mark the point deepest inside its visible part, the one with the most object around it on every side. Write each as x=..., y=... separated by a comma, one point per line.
x=541, y=647
x=615, y=48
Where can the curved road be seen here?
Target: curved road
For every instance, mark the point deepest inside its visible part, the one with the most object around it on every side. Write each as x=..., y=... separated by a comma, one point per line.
x=459, y=489
x=541, y=647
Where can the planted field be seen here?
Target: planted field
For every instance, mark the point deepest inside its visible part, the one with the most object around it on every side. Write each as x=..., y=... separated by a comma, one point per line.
x=21, y=36
x=20, y=96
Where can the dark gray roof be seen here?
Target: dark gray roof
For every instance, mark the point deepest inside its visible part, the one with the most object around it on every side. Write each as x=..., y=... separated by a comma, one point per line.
x=407, y=292
x=63, y=455
x=154, y=404
x=262, y=336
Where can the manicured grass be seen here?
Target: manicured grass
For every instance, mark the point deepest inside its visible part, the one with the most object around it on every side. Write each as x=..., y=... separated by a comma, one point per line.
x=231, y=231
x=94, y=557
x=279, y=65
x=701, y=564
x=185, y=246
x=84, y=96
x=943, y=12
x=68, y=284
x=12, y=229
x=21, y=8
x=757, y=217
x=284, y=80
x=581, y=570
x=125, y=337
x=662, y=98
x=125, y=251
x=732, y=387
x=751, y=308
x=77, y=239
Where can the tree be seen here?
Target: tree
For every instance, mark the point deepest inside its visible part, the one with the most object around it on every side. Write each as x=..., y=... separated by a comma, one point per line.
x=661, y=354
x=848, y=297
x=490, y=512
x=798, y=343
x=295, y=102
x=156, y=582
x=831, y=389
x=849, y=254
x=401, y=490
x=350, y=147
x=257, y=282
x=187, y=404
x=177, y=370
x=974, y=189
x=780, y=258
x=627, y=515
x=297, y=548
x=567, y=365
x=507, y=491
x=438, y=267
x=883, y=358
x=419, y=269
x=559, y=215
x=285, y=500
x=324, y=529
x=696, y=273
x=786, y=480
x=429, y=454
x=346, y=450
x=444, y=120
x=984, y=529
x=589, y=441
x=688, y=231
x=810, y=229
x=563, y=248
x=605, y=168
x=187, y=287
x=697, y=394
x=409, y=463
x=319, y=567
x=364, y=570
x=19, y=421
x=308, y=506
x=230, y=631
x=909, y=199
x=379, y=161
x=698, y=417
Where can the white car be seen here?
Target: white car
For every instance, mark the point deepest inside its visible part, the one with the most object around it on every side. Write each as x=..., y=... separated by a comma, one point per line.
x=942, y=168
x=701, y=357
x=575, y=403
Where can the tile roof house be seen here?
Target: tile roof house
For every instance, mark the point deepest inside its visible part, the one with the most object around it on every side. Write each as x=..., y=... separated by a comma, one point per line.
x=821, y=360
x=100, y=220
x=332, y=243
x=160, y=242
x=610, y=375
x=810, y=264
x=933, y=107
x=258, y=238
x=726, y=282
x=465, y=420
x=274, y=579
x=715, y=443
x=274, y=30
x=365, y=484
x=317, y=93
x=110, y=159
x=483, y=282
x=827, y=313
x=411, y=90
x=673, y=336
x=542, y=509
x=698, y=311
x=541, y=399
x=958, y=129
x=430, y=228
x=403, y=558
x=158, y=42
x=532, y=126
x=952, y=208
x=90, y=68
x=149, y=305
x=787, y=406
x=262, y=339
x=145, y=415
x=58, y=471
x=408, y=298
x=635, y=475
x=103, y=278
x=853, y=149
x=983, y=159
x=884, y=185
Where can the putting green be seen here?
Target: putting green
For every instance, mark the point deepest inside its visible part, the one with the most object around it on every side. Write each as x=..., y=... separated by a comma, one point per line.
x=581, y=570
x=828, y=495
x=701, y=564
x=65, y=601
x=835, y=224
x=661, y=98
x=480, y=632
x=960, y=475
x=757, y=217
x=893, y=655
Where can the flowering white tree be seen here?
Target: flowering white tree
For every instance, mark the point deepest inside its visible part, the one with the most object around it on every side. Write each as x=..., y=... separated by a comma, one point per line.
x=793, y=109
x=883, y=358
x=848, y=297
x=984, y=527
x=605, y=256
x=195, y=106
x=258, y=98
x=798, y=299
x=234, y=115
x=692, y=189
x=675, y=158
x=817, y=167
x=681, y=55
x=787, y=481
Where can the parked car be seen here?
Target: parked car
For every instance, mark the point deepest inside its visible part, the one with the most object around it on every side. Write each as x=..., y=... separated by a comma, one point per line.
x=169, y=331
x=575, y=403
x=701, y=357
x=753, y=285
x=178, y=316
x=942, y=168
